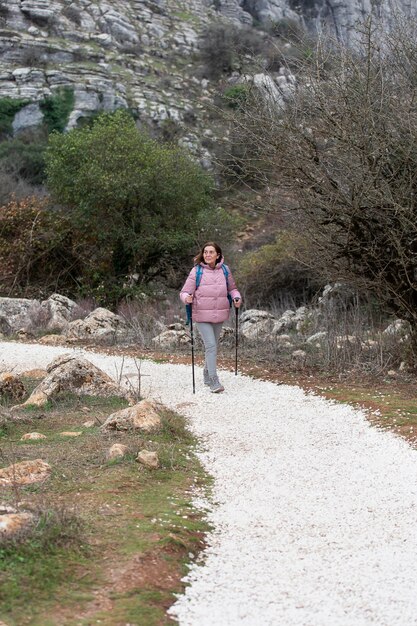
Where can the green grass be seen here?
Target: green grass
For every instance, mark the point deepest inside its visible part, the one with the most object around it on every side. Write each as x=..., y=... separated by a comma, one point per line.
x=125, y=512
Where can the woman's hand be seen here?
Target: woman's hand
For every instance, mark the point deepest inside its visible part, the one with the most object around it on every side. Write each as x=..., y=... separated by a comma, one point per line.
x=237, y=302
x=189, y=299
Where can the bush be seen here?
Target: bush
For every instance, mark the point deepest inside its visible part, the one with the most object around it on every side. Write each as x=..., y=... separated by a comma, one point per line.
x=35, y=248
x=223, y=48
x=56, y=109
x=23, y=160
x=12, y=187
x=235, y=96
x=32, y=57
x=272, y=273
x=138, y=205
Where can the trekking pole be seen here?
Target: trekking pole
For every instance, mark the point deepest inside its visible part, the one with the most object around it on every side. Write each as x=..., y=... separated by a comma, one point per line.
x=190, y=320
x=236, y=338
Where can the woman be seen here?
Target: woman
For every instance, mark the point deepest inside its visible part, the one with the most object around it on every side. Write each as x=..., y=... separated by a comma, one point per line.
x=208, y=288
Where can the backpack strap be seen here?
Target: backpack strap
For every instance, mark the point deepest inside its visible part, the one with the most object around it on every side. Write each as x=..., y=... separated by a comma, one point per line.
x=226, y=274
x=198, y=275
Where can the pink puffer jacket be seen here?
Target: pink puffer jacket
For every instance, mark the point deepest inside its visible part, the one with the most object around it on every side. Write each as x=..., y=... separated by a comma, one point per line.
x=210, y=303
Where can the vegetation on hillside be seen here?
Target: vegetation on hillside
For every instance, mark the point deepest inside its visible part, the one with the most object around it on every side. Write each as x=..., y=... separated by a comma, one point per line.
x=123, y=204
x=343, y=149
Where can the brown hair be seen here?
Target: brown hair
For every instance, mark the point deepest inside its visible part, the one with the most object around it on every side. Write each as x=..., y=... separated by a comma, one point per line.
x=200, y=256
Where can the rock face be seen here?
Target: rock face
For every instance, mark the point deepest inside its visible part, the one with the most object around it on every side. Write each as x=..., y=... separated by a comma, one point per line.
x=113, y=54
x=339, y=16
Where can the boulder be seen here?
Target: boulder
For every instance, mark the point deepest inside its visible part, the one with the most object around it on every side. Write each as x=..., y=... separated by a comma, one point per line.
x=148, y=459
x=32, y=437
x=11, y=387
x=143, y=416
x=299, y=357
x=397, y=328
x=286, y=322
x=71, y=433
x=74, y=374
x=15, y=313
x=117, y=451
x=317, y=337
x=101, y=325
x=253, y=316
x=28, y=117
x=60, y=311
x=255, y=325
x=24, y=473
x=171, y=339
x=52, y=340
x=13, y=522
x=5, y=327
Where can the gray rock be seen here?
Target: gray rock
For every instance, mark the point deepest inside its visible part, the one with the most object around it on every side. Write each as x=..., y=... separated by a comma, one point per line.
x=171, y=338
x=142, y=417
x=29, y=116
x=16, y=312
x=317, y=337
x=101, y=325
x=76, y=375
x=148, y=459
x=60, y=310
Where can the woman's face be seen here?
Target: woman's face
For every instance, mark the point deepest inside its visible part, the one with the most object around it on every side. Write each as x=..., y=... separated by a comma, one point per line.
x=210, y=255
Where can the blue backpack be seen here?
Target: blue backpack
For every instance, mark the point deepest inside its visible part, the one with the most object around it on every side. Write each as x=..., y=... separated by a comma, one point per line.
x=198, y=277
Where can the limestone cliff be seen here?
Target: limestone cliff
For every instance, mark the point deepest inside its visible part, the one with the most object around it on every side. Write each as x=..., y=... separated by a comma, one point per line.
x=340, y=16
x=136, y=53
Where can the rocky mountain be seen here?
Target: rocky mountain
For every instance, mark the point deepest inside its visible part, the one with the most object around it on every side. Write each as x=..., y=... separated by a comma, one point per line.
x=136, y=53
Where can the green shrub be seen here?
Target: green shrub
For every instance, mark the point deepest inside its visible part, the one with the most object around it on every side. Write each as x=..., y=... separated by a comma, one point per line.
x=56, y=109
x=236, y=96
x=272, y=273
x=24, y=160
x=137, y=205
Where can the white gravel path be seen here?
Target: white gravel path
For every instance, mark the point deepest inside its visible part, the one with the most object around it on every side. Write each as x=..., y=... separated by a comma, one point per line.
x=315, y=522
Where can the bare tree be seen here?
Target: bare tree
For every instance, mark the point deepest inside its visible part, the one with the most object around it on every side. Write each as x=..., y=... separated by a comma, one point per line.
x=344, y=145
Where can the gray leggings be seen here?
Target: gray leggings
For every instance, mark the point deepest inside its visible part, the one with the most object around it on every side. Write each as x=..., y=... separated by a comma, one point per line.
x=210, y=334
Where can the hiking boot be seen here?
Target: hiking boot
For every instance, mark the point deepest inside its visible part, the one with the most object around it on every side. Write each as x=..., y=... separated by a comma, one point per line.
x=206, y=377
x=215, y=385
